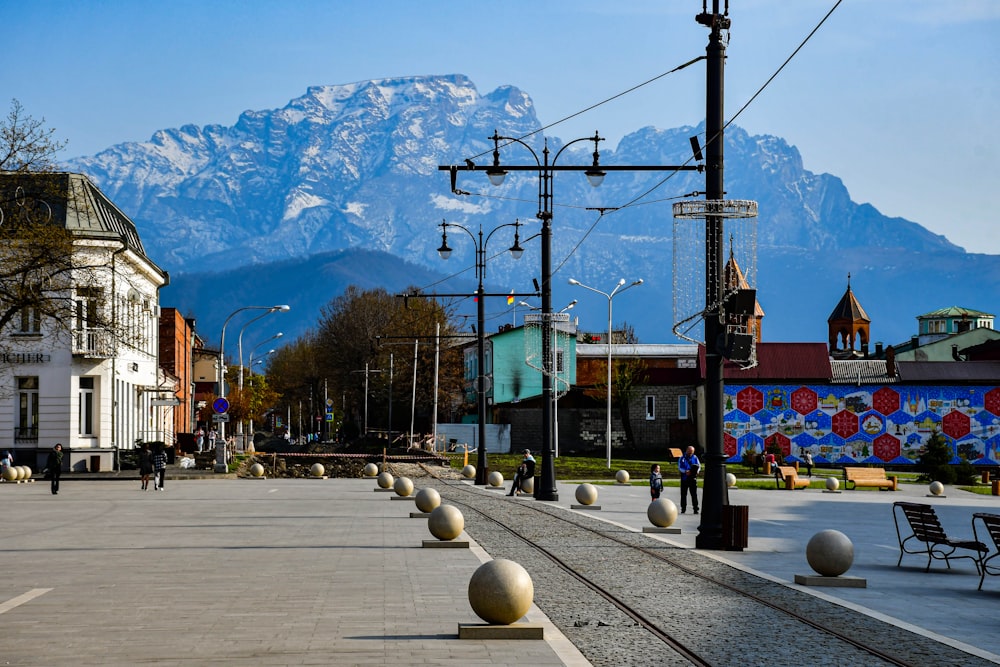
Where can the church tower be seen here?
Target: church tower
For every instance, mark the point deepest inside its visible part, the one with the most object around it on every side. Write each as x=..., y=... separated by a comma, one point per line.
x=849, y=324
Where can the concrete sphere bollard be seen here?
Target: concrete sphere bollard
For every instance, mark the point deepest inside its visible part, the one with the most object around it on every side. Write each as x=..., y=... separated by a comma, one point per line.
x=27, y=472
x=936, y=488
x=469, y=471
x=403, y=486
x=427, y=500
x=256, y=470
x=317, y=470
x=501, y=592
x=528, y=485
x=10, y=474
x=384, y=480
x=730, y=480
x=622, y=477
x=832, y=483
x=586, y=494
x=371, y=470
x=446, y=522
x=830, y=553
x=662, y=512
x=21, y=474
x=495, y=478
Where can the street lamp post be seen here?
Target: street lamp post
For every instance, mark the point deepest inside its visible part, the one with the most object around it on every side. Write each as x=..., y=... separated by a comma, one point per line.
x=220, y=443
x=619, y=288
x=545, y=169
x=482, y=465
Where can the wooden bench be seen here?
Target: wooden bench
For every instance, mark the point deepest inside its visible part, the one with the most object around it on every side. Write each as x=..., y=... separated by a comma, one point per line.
x=869, y=477
x=991, y=525
x=788, y=476
x=929, y=537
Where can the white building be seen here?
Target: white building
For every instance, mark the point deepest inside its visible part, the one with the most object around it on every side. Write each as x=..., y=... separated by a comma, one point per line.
x=89, y=381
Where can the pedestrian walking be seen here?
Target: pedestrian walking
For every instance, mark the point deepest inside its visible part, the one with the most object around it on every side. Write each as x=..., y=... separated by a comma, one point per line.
x=199, y=439
x=212, y=437
x=689, y=465
x=159, y=468
x=145, y=466
x=807, y=458
x=655, y=481
x=53, y=467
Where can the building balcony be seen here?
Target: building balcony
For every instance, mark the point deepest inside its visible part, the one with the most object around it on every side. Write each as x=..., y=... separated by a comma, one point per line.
x=93, y=343
x=25, y=434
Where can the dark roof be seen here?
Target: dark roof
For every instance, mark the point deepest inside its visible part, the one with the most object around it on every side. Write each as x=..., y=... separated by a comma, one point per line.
x=848, y=309
x=949, y=372
x=779, y=362
x=861, y=371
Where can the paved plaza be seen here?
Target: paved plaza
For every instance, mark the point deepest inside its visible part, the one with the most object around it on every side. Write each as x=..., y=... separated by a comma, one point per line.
x=329, y=572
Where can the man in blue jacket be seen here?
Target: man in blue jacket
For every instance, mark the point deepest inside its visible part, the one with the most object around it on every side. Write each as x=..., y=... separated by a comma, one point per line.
x=689, y=465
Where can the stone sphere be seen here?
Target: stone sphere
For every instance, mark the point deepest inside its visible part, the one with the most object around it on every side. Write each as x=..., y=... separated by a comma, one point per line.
x=730, y=480
x=427, y=499
x=830, y=553
x=936, y=488
x=21, y=473
x=832, y=483
x=528, y=485
x=384, y=480
x=662, y=512
x=469, y=471
x=495, y=478
x=371, y=470
x=27, y=472
x=317, y=470
x=256, y=470
x=500, y=592
x=586, y=494
x=446, y=522
x=9, y=474
x=622, y=477
x=403, y=486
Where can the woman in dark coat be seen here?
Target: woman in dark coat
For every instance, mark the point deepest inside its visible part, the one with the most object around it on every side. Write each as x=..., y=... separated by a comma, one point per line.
x=54, y=466
x=145, y=465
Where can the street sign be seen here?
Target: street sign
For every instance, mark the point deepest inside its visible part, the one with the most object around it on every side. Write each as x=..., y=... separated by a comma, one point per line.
x=220, y=417
x=329, y=416
x=165, y=402
x=221, y=405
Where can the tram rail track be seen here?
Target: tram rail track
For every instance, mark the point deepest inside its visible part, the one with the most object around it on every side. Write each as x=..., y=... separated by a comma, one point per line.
x=845, y=636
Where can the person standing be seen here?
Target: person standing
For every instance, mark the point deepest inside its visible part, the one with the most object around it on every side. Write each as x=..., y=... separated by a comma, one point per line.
x=145, y=465
x=689, y=465
x=6, y=462
x=655, y=481
x=212, y=437
x=807, y=458
x=199, y=439
x=159, y=468
x=54, y=466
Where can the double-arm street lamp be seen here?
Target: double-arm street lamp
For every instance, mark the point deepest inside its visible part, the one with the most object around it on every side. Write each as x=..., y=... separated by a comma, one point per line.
x=619, y=288
x=220, y=443
x=545, y=169
x=482, y=467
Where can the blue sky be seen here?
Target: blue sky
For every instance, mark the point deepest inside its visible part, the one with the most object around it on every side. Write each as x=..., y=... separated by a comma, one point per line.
x=896, y=97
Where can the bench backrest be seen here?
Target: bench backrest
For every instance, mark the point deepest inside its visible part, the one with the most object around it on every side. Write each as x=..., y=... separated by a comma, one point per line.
x=923, y=521
x=992, y=524
x=785, y=471
x=865, y=473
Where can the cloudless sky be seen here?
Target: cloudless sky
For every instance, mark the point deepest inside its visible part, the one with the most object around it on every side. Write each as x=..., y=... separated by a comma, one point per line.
x=896, y=97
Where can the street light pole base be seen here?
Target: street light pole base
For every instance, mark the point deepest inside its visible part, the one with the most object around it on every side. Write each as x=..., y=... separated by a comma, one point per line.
x=221, y=467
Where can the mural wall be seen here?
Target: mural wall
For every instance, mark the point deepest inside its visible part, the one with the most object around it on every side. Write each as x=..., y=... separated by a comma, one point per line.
x=862, y=424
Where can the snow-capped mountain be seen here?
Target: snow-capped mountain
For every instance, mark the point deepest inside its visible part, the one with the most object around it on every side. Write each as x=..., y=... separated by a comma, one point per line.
x=356, y=167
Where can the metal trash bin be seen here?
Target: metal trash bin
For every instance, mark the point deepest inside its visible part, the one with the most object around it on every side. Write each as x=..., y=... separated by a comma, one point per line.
x=735, y=527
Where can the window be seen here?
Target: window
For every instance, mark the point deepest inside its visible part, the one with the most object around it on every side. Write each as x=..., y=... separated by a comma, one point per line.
x=27, y=412
x=31, y=320
x=650, y=408
x=86, y=424
x=682, y=407
x=87, y=301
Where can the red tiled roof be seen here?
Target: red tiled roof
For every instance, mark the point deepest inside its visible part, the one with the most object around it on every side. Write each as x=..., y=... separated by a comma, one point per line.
x=779, y=362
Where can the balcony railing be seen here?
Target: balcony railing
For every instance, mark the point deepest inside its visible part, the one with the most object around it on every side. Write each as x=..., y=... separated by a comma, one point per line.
x=93, y=343
x=25, y=434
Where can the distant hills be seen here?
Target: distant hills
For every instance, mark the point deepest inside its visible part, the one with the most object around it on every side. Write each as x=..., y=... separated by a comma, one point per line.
x=341, y=186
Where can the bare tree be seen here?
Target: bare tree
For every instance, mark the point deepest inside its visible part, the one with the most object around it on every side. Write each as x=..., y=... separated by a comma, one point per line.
x=26, y=145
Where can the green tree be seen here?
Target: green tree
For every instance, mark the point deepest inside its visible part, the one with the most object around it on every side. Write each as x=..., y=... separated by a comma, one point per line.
x=933, y=463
